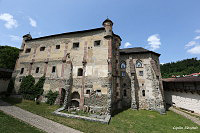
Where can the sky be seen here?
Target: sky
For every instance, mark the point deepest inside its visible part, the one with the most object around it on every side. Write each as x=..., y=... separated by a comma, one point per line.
x=168, y=27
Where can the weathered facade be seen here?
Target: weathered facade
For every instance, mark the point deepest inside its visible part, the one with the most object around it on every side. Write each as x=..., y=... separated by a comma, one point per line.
x=85, y=67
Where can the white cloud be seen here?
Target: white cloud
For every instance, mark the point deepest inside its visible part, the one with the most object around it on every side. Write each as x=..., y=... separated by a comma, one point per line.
x=33, y=23
x=197, y=31
x=15, y=38
x=191, y=43
x=10, y=21
x=154, y=41
x=197, y=38
x=194, y=50
x=127, y=44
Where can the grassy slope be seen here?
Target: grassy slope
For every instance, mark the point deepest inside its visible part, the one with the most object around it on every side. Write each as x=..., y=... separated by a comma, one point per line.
x=9, y=124
x=128, y=121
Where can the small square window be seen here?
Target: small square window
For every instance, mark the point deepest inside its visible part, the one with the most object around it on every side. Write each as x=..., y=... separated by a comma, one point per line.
x=42, y=48
x=37, y=70
x=57, y=46
x=53, y=69
x=76, y=45
x=28, y=50
x=141, y=73
x=97, y=43
x=22, y=71
x=87, y=91
x=123, y=74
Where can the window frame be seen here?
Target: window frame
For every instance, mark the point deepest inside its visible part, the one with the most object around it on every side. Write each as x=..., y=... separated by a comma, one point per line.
x=123, y=63
x=80, y=72
x=97, y=43
x=37, y=70
x=28, y=50
x=22, y=70
x=42, y=48
x=57, y=46
x=136, y=64
x=53, y=69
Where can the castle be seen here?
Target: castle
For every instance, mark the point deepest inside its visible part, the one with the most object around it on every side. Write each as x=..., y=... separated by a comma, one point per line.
x=88, y=68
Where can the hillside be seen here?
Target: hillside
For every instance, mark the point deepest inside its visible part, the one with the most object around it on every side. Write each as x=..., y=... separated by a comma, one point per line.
x=183, y=67
x=8, y=57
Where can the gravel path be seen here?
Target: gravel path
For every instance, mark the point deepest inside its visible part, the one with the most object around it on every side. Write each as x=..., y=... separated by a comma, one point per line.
x=192, y=118
x=35, y=120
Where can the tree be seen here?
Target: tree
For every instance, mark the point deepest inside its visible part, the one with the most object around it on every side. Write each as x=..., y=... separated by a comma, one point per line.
x=38, y=87
x=8, y=57
x=26, y=87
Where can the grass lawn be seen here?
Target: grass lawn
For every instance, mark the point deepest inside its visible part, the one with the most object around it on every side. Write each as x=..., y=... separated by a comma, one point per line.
x=9, y=124
x=128, y=121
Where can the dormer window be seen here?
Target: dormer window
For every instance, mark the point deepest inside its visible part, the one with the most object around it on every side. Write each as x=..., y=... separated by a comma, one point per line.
x=28, y=50
x=42, y=48
x=138, y=63
x=97, y=43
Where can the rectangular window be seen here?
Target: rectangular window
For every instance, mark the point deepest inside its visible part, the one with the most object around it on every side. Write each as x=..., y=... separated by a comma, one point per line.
x=20, y=80
x=53, y=69
x=87, y=91
x=76, y=45
x=22, y=71
x=141, y=73
x=28, y=50
x=123, y=74
x=42, y=48
x=37, y=70
x=57, y=46
x=97, y=43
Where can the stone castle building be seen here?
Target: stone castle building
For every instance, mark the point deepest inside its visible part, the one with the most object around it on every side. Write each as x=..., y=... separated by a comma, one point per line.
x=88, y=68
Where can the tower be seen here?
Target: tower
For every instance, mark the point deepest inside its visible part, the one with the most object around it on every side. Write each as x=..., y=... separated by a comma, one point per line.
x=108, y=28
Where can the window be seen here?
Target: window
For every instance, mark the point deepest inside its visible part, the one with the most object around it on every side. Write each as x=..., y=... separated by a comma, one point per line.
x=42, y=48
x=76, y=45
x=22, y=71
x=20, y=80
x=97, y=43
x=143, y=93
x=125, y=93
x=141, y=73
x=57, y=46
x=123, y=65
x=37, y=70
x=138, y=63
x=98, y=92
x=28, y=50
x=53, y=69
x=80, y=72
x=87, y=91
x=123, y=74
x=117, y=84
x=124, y=85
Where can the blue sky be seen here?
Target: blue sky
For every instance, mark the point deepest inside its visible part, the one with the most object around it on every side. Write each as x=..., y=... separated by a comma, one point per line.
x=169, y=27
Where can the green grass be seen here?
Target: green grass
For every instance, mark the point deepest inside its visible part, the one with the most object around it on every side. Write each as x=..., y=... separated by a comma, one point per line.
x=9, y=124
x=128, y=121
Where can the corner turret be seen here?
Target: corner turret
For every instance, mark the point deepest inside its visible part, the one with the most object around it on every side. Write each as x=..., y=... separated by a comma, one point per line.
x=108, y=28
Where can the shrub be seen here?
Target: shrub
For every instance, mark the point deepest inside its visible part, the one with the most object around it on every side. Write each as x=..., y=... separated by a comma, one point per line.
x=26, y=87
x=10, y=86
x=51, y=97
x=38, y=87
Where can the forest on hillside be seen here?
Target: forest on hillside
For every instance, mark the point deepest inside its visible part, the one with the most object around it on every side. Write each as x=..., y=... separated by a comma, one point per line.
x=183, y=67
x=8, y=57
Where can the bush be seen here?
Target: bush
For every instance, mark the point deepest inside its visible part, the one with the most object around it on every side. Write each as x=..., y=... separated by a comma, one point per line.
x=26, y=87
x=10, y=86
x=38, y=87
x=51, y=97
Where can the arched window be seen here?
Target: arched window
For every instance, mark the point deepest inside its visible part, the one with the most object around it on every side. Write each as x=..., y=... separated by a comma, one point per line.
x=80, y=72
x=138, y=63
x=143, y=93
x=123, y=65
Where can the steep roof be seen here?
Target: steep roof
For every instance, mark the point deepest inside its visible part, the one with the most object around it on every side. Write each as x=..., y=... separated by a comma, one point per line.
x=183, y=79
x=68, y=33
x=136, y=50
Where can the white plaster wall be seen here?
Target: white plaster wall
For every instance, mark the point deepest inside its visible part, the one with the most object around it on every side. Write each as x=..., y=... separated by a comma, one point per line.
x=184, y=100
